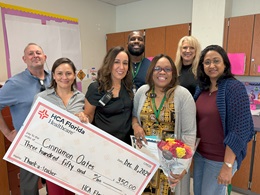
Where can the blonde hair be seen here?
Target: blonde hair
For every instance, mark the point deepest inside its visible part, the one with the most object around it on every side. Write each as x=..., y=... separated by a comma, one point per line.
x=192, y=41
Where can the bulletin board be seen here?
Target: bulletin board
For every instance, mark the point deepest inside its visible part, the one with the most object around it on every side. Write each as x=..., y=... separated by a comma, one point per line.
x=59, y=36
x=253, y=91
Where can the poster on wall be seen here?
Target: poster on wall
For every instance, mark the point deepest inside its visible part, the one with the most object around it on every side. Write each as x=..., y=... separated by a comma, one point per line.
x=59, y=36
x=253, y=91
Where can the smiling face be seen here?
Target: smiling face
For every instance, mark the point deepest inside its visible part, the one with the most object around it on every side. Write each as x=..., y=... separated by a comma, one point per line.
x=162, y=73
x=187, y=53
x=34, y=57
x=136, y=43
x=120, y=66
x=213, y=65
x=64, y=76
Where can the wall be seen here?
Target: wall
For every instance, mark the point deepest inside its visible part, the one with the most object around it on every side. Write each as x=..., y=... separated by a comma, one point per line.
x=242, y=7
x=95, y=18
x=152, y=13
x=155, y=13
x=208, y=24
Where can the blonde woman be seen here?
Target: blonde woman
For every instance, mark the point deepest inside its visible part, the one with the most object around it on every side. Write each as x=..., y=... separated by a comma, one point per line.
x=187, y=58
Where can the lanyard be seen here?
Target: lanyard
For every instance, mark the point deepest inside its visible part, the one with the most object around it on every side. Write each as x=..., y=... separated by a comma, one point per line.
x=157, y=112
x=135, y=73
x=229, y=188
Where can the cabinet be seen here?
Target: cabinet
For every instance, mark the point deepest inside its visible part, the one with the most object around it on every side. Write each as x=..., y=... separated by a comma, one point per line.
x=154, y=41
x=255, y=58
x=241, y=35
x=157, y=40
x=10, y=176
x=9, y=173
x=173, y=34
x=4, y=186
x=255, y=183
x=117, y=39
x=241, y=177
x=242, y=180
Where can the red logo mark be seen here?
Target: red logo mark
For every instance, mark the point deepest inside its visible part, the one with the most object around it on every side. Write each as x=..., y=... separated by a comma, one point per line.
x=43, y=114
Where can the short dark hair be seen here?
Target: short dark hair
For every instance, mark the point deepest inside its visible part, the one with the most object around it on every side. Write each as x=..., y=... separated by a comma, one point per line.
x=133, y=32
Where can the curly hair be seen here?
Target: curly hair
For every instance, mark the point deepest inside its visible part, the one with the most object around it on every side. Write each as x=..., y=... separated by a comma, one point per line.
x=149, y=76
x=104, y=73
x=203, y=79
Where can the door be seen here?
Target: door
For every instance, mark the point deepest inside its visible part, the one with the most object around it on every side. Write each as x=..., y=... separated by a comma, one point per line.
x=239, y=38
x=172, y=36
x=255, y=58
x=115, y=39
x=154, y=41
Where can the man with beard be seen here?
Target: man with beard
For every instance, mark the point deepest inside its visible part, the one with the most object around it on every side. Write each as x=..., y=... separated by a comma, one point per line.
x=136, y=48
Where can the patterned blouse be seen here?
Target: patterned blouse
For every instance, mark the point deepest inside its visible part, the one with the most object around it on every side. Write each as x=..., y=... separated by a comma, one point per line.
x=164, y=125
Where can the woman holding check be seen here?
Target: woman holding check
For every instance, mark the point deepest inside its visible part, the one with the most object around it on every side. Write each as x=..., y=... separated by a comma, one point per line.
x=64, y=94
x=109, y=100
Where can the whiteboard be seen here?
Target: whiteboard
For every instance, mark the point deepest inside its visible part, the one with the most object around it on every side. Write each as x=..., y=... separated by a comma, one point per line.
x=57, y=38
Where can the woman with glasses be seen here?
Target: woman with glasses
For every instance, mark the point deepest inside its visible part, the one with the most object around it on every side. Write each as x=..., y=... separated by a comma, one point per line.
x=164, y=109
x=224, y=125
x=187, y=59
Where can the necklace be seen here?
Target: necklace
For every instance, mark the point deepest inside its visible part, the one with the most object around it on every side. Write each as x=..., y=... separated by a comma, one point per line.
x=210, y=92
x=212, y=89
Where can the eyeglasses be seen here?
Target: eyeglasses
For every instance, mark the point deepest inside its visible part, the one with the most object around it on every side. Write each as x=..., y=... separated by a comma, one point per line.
x=209, y=62
x=42, y=85
x=159, y=69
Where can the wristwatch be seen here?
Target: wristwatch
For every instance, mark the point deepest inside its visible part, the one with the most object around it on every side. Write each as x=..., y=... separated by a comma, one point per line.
x=228, y=164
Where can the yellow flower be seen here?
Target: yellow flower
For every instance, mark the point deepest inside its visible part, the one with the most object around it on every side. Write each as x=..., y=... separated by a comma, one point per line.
x=181, y=152
x=170, y=140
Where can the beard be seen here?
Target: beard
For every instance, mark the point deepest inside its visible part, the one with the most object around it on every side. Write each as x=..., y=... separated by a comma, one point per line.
x=135, y=52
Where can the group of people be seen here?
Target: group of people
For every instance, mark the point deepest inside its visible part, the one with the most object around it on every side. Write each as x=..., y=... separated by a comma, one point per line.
x=161, y=98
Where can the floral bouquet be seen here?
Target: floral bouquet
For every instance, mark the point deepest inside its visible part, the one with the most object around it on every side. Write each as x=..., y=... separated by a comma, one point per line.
x=174, y=156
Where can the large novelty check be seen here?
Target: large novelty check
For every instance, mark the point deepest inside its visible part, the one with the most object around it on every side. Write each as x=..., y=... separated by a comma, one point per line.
x=55, y=145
